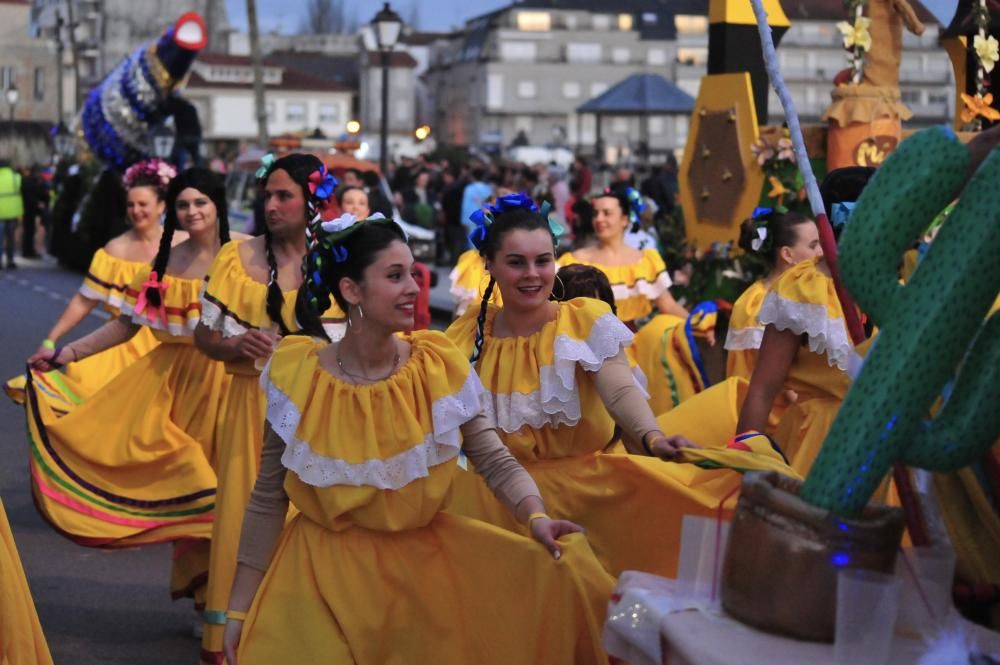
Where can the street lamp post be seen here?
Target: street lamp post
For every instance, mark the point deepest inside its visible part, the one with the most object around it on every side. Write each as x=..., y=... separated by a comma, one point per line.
x=386, y=25
x=12, y=96
x=62, y=141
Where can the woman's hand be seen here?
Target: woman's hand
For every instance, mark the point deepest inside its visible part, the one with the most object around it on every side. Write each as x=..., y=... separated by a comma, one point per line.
x=47, y=360
x=255, y=344
x=668, y=447
x=548, y=531
x=231, y=639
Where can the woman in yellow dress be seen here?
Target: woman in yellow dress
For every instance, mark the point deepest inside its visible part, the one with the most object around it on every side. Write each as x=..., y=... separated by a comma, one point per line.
x=783, y=239
x=111, y=271
x=363, y=437
x=21, y=639
x=557, y=381
x=639, y=279
x=135, y=463
x=249, y=300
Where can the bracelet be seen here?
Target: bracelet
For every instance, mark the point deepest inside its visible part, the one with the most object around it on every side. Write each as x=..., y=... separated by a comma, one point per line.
x=537, y=516
x=236, y=616
x=48, y=344
x=736, y=443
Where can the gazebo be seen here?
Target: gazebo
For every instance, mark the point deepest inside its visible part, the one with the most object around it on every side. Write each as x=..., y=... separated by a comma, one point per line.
x=640, y=95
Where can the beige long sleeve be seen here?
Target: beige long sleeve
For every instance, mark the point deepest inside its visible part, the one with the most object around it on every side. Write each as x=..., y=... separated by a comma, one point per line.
x=503, y=474
x=265, y=516
x=623, y=399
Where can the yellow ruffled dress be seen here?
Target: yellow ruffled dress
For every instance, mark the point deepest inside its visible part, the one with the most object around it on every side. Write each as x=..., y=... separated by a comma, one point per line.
x=135, y=463
x=803, y=300
x=107, y=279
x=232, y=304
x=549, y=414
x=371, y=571
x=469, y=280
x=635, y=286
x=21, y=639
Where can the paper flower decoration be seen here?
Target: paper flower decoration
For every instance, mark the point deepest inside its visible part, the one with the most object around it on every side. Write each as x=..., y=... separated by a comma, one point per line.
x=778, y=190
x=762, y=150
x=988, y=50
x=785, y=149
x=856, y=35
x=979, y=106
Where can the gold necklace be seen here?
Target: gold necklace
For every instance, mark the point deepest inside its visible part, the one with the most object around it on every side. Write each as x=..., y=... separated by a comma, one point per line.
x=395, y=363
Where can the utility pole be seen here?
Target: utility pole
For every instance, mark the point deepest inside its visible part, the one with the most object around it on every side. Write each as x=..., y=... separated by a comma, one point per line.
x=59, y=68
x=258, y=75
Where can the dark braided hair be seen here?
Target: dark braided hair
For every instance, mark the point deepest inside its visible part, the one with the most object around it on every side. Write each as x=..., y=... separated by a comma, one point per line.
x=298, y=167
x=628, y=199
x=209, y=184
x=521, y=214
x=356, y=250
x=781, y=232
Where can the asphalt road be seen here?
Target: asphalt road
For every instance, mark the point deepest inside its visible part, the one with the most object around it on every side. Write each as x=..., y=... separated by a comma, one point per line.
x=96, y=606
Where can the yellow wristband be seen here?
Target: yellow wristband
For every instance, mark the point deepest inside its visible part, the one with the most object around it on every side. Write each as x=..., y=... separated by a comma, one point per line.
x=236, y=616
x=537, y=516
x=48, y=344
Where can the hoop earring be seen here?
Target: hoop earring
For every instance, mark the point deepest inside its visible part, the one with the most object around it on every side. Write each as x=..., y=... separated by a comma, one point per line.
x=562, y=287
x=361, y=312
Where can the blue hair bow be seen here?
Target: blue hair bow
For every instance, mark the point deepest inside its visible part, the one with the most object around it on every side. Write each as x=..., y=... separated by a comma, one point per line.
x=840, y=212
x=265, y=165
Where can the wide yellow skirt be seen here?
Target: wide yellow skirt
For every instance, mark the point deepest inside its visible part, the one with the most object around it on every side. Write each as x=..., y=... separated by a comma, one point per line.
x=454, y=592
x=21, y=638
x=803, y=427
x=632, y=507
x=240, y=438
x=82, y=379
x=135, y=463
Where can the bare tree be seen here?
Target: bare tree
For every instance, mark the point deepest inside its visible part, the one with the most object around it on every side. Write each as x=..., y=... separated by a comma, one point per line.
x=413, y=15
x=325, y=17
x=258, y=75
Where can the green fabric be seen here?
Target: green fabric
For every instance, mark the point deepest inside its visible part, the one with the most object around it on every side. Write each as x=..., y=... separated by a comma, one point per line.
x=11, y=204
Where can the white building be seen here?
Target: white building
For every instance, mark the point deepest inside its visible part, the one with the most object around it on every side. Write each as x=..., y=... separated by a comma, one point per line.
x=221, y=88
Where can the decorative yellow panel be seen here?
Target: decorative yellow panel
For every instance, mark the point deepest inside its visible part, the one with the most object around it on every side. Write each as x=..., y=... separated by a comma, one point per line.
x=740, y=12
x=720, y=180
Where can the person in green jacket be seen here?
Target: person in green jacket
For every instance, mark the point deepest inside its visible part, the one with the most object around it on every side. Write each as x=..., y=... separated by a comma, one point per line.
x=11, y=209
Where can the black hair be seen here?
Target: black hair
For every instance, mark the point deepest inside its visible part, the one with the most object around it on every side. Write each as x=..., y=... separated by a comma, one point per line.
x=343, y=190
x=581, y=281
x=781, y=232
x=298, y=166
x=323, y=272
x=504, y=222
x=844, y=185
x=620, y=192
x=208, y=183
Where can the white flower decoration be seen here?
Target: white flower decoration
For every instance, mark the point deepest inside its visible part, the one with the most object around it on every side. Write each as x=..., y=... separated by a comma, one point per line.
x=336, y=225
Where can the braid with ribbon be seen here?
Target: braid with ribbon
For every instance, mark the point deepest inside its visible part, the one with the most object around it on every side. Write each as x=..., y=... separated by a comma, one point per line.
x=513, y=211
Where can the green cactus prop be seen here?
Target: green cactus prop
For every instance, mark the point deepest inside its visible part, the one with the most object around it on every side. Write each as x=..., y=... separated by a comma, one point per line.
x=928, y=328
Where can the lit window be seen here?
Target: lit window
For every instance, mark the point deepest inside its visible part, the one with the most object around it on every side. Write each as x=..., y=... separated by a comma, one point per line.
x=620, y=55
x=625, y=22
x=295, y=113
x=688, y=24
x=693, y=56
x=656, y=56
x=534, y=21
x=571, y=89
x=329, y=114
x=583, y=53
x=526, y=89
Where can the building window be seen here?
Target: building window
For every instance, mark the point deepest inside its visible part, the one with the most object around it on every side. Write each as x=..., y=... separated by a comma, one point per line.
x=619, y=125
x=650, y=18
x=295, y=113
x=656, y=56
x=494, y=91
x=597, y=89
x=656, y=125
x=571, y=89
x=534, y=21
x=523, y=123
x=39, y=84
x=583, y=53
x=692, y=56
x=910, y=96
x=601, y=22
x=625, y=22
x=329, y=114
x=937, y=98
x=6, y=77
x=517, y=51
x=526, y=89
x=688, y=24
x=620, y=55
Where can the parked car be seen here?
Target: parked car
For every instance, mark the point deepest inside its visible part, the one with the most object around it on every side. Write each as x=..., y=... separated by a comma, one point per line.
x=241, y=193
